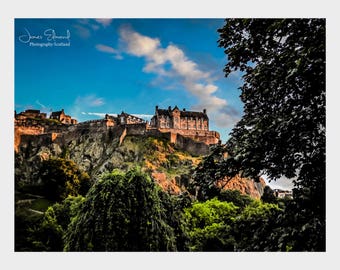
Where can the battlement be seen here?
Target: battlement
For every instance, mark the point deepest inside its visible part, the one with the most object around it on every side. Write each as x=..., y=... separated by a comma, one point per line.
x=174, y=124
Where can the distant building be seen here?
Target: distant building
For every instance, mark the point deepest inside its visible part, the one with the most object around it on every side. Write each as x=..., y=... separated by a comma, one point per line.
x=32, y=114
x=128, y=119
x=63, y=118
x=187, y=123
x=177, y=119
x=279, y=193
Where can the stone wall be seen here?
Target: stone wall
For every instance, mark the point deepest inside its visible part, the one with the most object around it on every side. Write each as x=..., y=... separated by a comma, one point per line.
x=207, y=137
x=193, y=147
x=136, y=129
x=25, y=130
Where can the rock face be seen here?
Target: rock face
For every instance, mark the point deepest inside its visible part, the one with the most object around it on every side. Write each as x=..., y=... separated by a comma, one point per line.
x=244, y=185
x=99, y=149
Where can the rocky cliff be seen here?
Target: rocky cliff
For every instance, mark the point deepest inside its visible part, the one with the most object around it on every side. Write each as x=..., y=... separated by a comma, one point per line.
x=99, y=149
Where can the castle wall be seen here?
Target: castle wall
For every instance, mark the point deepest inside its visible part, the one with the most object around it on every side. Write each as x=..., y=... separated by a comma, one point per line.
x=208, y=137
x=193, y=147
x=35, y=140
x=25, y=130
x=136, y=129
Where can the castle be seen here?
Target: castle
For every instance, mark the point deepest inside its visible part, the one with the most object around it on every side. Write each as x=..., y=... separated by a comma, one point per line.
x=190, y=124
x=194, y=125
x=175, y=124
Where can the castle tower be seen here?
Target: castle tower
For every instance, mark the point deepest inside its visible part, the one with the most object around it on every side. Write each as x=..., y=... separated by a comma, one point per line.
x=176, y=118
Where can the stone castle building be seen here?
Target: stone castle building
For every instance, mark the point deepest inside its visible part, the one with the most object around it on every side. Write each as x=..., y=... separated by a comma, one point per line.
x=63, y=118
x=194, y=125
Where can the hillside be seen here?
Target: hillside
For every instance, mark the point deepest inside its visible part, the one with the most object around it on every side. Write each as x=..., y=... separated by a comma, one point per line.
x=97, y=150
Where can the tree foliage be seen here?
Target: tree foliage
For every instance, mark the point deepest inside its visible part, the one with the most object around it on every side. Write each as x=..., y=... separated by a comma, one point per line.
x=61, y=178
x=121, y=212
x=45, y=231
x=258, y=229
x=282, y=131
x=268, y=195
x=236, y=197
x=209, y=225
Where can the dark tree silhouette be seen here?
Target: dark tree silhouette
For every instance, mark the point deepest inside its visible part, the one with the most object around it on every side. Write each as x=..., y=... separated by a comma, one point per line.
x=282, y=131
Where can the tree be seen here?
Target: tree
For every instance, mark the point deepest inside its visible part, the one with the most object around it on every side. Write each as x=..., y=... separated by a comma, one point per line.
x=62, y=177
x=209, y=225
x=121, y=212
x=46, y=232
x=206, y=174
x=236, y=197
x=282, y=131
x=257, y=228
x=268, y=195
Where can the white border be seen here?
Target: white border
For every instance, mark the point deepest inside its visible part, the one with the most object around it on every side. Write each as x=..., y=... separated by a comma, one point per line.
x=162, y=9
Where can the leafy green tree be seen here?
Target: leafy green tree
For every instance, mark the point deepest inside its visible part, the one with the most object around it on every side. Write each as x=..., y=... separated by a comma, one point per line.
x=209, y=225
x=121, y=212
x=257, y=228
x=282, y=131
x=46, y=231
x=49, y=234
x=61, y=177
x=236, y=197
x=174, y=206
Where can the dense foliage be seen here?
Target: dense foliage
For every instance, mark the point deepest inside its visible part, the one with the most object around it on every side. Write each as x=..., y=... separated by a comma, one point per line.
x=209, y=225
x=121, y=212
x=61, y=178
x=35, y=231
x=282, y=131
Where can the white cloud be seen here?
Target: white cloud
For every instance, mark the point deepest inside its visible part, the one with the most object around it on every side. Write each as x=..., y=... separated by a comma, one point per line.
x=172, y=62
x=281, y=183
x=40, y=104
x=82, y=31
x=110, y=50
x=89, y=101
x=138, y=44
x=85, y=27
x=104, y=48
x=144, y=116
x=104, y=22
x=102, y=115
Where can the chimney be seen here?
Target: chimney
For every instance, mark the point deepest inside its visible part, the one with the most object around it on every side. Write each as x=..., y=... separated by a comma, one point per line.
x=183, y=109
x=169, y=108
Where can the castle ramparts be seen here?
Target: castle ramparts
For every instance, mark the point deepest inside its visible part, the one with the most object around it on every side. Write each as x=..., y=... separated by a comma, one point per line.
x=177, y=125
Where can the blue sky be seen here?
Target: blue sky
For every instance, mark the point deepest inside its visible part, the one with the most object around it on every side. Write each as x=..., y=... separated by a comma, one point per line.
x=131, y=65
